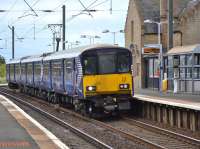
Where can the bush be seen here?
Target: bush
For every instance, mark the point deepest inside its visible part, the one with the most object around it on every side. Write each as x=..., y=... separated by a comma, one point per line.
x=2, y=73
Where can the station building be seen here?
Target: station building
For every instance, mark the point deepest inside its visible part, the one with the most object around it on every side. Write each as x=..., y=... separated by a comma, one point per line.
x=182, y=66
x=142, y=39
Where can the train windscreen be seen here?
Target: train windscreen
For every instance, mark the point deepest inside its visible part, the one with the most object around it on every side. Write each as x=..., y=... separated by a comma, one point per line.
x=107, y=62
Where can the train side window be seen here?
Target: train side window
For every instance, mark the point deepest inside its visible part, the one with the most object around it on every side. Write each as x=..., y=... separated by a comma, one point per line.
x=56, y=67
x=69, y=64
x=123, y=62
x=90, y=65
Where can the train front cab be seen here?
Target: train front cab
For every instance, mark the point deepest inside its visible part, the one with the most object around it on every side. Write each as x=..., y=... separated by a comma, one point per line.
x=107, y=79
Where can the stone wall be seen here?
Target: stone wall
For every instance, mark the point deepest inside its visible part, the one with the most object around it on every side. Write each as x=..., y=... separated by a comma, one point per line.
x=133, y=36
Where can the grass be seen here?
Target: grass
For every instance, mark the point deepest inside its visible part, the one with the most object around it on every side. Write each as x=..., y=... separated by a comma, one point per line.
x=3, y=80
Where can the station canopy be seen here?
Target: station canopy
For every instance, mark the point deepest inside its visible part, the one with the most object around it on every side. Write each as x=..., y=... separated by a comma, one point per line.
x=189, y=49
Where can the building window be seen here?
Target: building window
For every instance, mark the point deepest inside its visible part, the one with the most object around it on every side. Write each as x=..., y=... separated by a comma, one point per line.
x=196, y=73
x=182, y=73
x=176, y=61
x=189, y=60
x=132, y=31
x=182, y=60
x=170, y=61
x=151, y=68
x=170, y=73
x=156, y=68
x=197, y=59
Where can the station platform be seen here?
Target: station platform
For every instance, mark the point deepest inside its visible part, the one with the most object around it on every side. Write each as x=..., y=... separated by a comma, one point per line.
x=176, y=110
x=19, y=130
x=187, y=101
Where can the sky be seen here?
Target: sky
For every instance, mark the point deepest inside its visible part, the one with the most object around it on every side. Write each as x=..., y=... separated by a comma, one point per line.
x=32, y=35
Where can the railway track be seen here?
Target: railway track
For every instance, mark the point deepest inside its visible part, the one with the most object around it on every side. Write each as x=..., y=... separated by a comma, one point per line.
x=162, y=137
x=188, y=140
x=145, y=134
x=75, y=130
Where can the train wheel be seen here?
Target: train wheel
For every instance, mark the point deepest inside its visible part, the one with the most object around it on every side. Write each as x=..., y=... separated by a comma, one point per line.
x=83, y=109
x=90, y=109
x=53, y=98
x=21, y=90
x=57, y=99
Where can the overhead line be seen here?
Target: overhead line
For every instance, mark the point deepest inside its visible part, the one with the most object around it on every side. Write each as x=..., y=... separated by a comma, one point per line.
x=31, y=8
x=101, y=3
x=40, y=18
x=85, y=8
x=13, y=5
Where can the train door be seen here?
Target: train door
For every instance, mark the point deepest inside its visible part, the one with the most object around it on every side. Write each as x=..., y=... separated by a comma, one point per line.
x=57, y=82
x=69, y=76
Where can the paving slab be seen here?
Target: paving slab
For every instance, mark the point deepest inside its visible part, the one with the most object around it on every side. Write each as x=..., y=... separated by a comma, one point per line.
x=12, y=134
x=20, y=131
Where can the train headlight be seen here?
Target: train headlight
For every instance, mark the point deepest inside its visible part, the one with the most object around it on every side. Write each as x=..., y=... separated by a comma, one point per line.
x=91, y=88
x=124, y=86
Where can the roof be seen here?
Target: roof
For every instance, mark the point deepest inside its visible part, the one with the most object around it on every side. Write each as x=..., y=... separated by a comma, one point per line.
x=33, y=58
x=184, y=49
x=61, y=54
x=13, y=61
x=150, y=9
x=27, y=59
x=77, y=51
x=189, y=8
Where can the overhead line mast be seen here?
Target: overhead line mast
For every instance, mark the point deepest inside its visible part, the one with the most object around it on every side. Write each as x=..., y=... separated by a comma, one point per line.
x=63, y=28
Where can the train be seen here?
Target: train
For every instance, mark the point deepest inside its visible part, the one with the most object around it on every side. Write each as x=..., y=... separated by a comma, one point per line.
x=94, y=79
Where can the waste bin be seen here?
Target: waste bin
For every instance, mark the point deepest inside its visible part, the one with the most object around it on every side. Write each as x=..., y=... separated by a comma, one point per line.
x=164, y=87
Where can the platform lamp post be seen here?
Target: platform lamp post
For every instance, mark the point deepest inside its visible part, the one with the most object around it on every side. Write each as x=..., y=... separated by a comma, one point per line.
x=91, y=38
x=71, y=44
x=161, y=50
x=114, y=34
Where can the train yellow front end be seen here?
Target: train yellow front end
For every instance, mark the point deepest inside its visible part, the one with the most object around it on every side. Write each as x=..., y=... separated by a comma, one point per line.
x=109, y=84
x=108, y=80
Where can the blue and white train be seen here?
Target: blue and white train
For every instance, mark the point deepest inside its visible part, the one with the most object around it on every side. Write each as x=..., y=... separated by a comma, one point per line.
x=94, y=79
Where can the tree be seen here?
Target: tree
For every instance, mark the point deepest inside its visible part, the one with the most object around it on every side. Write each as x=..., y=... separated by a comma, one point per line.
x=2, y=60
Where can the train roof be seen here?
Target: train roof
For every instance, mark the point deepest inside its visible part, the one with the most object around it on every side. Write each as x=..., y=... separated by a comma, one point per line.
x=26, y=59
x=35, y=58
x=77, y=51
x=13, y=61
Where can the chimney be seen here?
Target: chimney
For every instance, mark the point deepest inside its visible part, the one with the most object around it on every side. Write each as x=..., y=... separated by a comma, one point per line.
x=163, y=10
x=177, y=8
x=163, y=18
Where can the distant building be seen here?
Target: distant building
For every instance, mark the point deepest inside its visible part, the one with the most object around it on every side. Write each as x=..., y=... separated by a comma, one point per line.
x=142, y=38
